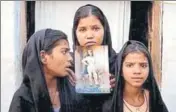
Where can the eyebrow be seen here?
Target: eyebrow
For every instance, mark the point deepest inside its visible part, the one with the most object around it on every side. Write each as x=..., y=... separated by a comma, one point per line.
x=68, y=49
x=81, y=26
x=145, y=62
x=95, y=25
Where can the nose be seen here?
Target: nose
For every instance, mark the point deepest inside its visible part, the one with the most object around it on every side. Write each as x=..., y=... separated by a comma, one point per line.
x=137, y=70
x=70, y=58
x=89, y=34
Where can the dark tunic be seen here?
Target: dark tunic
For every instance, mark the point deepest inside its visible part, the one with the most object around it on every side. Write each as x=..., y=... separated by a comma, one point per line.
x=95, y=102
x=33, y=96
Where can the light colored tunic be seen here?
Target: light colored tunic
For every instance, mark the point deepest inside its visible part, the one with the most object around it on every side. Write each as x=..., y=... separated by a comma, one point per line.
x=57, y=109
x=143, y=108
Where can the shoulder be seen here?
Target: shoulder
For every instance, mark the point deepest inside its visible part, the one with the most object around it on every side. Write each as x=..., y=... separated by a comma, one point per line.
x=23, y=94
x=21, y=100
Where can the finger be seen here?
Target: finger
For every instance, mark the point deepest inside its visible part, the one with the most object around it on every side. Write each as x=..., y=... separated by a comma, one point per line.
x=72, y=74
x=113, y=85
x=112, y=77
x=72, y=83
x=112, y=80
x=71, y=77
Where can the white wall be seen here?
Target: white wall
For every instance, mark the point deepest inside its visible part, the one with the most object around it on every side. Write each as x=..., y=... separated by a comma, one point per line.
x=169, y=55
x=8, y=55
x=11, y=48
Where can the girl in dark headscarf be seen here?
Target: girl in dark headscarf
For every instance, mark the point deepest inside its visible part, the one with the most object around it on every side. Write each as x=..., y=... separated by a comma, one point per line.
x=136, y=89
x=46, y=63
x=90, y=28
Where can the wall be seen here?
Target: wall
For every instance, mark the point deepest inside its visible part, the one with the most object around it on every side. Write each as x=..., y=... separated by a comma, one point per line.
x=168, y=83
x=12, y=43
x=8, y=54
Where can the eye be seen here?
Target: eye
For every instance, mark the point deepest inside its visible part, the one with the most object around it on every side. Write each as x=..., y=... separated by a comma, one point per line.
x=64, y=52
x=129, y=65
x=96, y=28
x=144, y=65
x=82, y=29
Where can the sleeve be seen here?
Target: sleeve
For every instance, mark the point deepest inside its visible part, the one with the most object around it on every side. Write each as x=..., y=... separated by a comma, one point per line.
x=18, y=104
x=15, y=105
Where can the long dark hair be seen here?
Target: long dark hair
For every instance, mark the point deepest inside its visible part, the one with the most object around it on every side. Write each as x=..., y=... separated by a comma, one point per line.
x=85, y=11
x=156, y=103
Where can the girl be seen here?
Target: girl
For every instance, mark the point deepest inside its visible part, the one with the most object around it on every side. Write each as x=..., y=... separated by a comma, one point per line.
x=136, y=89
x=46, y=63
x=90, y=28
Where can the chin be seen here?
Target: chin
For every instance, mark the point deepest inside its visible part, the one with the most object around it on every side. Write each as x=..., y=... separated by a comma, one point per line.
x=64, y=74
x=137, y=85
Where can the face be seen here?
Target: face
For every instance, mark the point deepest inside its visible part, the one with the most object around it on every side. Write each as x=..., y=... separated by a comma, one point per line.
x=135, y=69
x=58, y=62
x=90, y=31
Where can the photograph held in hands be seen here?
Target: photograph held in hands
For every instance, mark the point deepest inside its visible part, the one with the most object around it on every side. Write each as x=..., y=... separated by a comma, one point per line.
x=91, y=68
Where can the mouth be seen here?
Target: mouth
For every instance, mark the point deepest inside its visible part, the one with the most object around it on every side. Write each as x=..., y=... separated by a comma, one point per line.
x=137, y=78
x=90, y=43
x=69, y=67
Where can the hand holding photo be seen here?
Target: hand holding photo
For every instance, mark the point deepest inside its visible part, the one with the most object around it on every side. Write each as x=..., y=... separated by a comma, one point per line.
x=91, y=68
